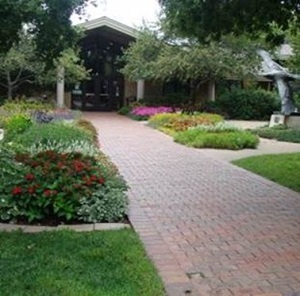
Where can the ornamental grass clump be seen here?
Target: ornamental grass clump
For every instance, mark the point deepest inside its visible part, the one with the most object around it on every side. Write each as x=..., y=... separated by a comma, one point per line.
x=143, y=112
x=50, y=186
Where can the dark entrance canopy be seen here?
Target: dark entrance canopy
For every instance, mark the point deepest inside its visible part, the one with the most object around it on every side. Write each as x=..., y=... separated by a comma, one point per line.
x=102, y=47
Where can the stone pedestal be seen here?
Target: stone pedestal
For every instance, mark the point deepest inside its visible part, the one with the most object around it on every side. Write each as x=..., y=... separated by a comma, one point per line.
x=277, y=119
x=293, y=121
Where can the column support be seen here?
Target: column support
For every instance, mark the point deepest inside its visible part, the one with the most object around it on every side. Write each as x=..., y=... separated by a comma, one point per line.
x=60, y=87
x=140, y=89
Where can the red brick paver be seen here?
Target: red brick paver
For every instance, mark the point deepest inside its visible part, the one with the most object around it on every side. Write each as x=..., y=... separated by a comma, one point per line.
x=210, y=228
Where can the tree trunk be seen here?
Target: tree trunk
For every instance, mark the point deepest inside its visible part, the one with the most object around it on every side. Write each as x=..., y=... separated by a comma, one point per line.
x=9, y=86
x=9, y=91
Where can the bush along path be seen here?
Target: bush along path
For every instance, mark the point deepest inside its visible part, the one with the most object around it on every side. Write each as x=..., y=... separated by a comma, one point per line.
x=211, y=228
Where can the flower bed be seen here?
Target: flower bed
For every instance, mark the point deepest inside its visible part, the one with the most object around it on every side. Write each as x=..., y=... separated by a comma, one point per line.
x=52, y=172
x=203, y=131
x=143, y=112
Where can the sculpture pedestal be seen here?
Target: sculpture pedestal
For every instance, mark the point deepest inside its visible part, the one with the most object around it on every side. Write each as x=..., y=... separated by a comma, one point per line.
x=277, y=119
x=293, y=121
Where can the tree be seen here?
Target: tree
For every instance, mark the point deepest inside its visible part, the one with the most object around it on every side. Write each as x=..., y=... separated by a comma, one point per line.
x=47, y=20
x=212, y=19
x=20, y=66
x=151, y=57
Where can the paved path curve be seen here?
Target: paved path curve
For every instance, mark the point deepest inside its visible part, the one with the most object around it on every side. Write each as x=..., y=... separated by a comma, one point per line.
x=210, y=228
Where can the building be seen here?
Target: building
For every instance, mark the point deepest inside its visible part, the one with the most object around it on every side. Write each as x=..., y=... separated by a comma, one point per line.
x=107, y=90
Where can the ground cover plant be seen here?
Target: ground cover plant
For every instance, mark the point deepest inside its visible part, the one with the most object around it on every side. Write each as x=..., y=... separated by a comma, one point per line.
x=110, y=263
x=279, y=133
x=280, y=168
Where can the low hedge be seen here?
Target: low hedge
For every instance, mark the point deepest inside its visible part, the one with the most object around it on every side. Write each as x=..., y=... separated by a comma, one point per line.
x=279, y=133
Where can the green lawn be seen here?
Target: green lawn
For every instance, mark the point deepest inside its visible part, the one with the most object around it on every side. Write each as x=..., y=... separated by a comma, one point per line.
x=282, y=168
x=72, y=264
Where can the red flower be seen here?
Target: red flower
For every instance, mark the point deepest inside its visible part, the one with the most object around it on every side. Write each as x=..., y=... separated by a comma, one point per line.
x=93, y=178
x=29, y=177
x=31, y=190
x=17, y=190
x=101, y=180
x=47, y=192
x=88, y=183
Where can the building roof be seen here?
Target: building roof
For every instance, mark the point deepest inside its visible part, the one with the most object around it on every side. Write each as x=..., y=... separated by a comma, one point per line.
x=105, y=21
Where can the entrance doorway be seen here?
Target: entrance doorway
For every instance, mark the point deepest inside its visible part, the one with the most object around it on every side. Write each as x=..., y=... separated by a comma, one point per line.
x=101, y=50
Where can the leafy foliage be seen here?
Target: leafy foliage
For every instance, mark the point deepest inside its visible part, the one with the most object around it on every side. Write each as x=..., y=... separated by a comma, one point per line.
x=41, y=133
x=107, y=204
x=279, y=133
x=212, y=19
x=248, y=104
x=48, y=21
x=52, y=186
x=233, y=140
x=16, y=124
x=159, y=58
x=125, y=110
x=19, y=65
x=79, y=146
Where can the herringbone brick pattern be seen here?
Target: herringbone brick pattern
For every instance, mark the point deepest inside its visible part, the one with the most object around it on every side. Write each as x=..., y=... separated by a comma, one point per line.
x=210, y=227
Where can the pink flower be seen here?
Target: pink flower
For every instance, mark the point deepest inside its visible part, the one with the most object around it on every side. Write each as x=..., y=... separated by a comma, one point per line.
x=150, y=111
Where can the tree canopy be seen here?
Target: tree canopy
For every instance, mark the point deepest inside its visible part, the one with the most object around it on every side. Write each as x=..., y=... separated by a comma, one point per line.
x=211, y=19
x=47, y=20
x=154, y=57
x=19, y=66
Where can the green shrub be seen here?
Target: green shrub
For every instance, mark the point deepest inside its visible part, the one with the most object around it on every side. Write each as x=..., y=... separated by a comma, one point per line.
x=279, y=133
x=233, y=140
x=248, y=104
x=17, y=124
x=107, y=204
x=125, y=110
x=61, y=132
x=13, y=108
x=50, y=187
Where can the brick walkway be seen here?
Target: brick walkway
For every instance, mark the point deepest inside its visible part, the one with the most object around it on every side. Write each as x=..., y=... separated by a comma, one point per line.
x=210, y=228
